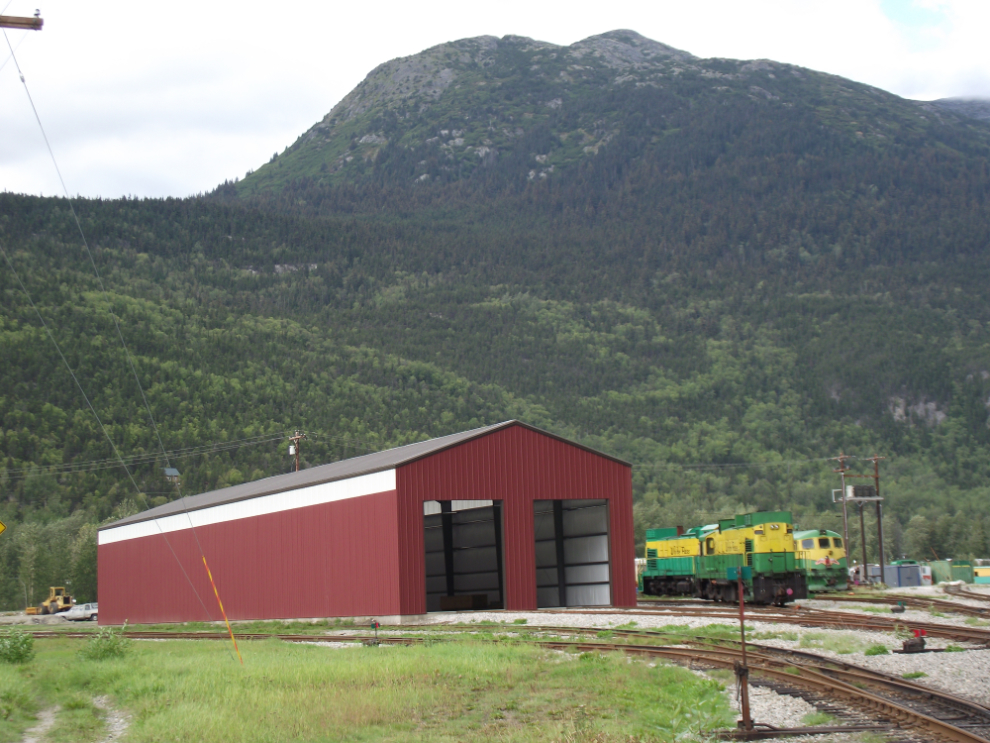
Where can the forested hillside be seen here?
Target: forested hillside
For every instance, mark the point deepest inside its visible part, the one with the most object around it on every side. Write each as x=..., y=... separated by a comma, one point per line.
x=723, y=272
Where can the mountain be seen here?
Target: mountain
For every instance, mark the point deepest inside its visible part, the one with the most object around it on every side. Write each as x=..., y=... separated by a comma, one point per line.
x=531, y=109
x=723, y=271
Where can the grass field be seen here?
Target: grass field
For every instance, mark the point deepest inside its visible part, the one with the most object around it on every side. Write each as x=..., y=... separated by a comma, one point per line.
x=459, y=690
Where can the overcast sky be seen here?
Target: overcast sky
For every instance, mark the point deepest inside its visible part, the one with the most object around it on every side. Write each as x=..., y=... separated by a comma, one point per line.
x=170, y=99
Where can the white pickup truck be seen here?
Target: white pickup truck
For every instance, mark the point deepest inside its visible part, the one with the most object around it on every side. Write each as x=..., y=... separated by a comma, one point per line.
x=80, y=612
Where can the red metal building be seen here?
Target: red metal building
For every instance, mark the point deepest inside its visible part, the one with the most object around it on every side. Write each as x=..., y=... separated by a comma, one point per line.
x=506, y=516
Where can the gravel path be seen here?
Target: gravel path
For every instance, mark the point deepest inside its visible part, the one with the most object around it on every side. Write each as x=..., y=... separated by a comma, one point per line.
x=116, y=721
x=46, y=718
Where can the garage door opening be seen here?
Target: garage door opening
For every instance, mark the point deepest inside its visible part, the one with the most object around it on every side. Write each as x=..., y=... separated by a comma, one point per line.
x=463, y=542
x=572, y=553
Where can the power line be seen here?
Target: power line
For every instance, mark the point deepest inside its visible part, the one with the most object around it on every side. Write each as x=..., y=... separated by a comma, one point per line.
x=95, y=465
x=106, y=297
x=729, y=465
x=64, y=361
x=89, y=253
x=11, y=55
x=95, y=414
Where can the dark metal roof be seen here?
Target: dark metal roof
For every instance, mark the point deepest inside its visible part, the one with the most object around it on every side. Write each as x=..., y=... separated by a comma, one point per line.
x=342, y=470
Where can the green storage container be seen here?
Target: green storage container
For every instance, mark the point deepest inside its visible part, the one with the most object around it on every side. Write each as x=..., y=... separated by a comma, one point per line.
x=962, y=570
x=941, y=571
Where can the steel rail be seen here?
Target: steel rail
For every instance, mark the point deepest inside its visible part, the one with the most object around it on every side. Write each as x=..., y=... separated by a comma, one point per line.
x=805, y=617
x=915, y=602
x=967, y=594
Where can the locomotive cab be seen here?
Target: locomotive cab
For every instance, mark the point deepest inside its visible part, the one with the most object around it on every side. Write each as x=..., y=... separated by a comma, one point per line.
x=821, y=556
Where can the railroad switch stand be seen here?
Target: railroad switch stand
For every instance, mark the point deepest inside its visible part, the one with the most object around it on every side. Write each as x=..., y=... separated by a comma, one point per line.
x=740, y=667
x=915, y=644
x=374, y=625
x=742, y=683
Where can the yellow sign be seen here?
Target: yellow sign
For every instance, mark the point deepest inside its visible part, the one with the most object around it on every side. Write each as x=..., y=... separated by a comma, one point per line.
x=3, y=527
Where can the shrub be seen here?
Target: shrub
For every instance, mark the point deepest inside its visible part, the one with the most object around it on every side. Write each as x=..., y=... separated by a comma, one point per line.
x=877, y=649
x=954, y=649
x=16, y=646
x=914, y=675
x=106, y=644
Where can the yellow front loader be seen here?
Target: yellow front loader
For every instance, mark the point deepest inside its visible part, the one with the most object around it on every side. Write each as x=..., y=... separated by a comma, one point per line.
x=58, y=600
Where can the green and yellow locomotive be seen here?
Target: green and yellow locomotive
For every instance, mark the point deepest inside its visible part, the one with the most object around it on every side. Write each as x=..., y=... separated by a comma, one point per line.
x=821, y=556
x=697, y=562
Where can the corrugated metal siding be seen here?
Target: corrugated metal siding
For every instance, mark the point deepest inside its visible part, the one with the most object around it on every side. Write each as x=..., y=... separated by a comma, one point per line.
x=517, y=466
x=332, y=559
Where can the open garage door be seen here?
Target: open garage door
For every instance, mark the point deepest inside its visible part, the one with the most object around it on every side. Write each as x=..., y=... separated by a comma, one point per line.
x=463, y=542
x=572, y=553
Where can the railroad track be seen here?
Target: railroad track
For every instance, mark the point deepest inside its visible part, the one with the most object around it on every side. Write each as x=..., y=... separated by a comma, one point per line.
x=805, y=617
x=924, y=604
x=967, y=594
x=913, y=602
x=894, y=703
x=945, y=717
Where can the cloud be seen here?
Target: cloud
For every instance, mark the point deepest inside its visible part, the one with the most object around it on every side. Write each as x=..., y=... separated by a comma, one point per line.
x=139, y=99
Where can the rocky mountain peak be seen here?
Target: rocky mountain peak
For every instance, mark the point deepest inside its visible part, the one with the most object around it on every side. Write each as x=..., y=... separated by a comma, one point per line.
x=624, y=49
x=428, y=74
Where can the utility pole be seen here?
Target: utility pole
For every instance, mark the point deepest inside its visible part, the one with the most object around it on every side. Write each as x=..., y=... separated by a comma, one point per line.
x=861, y=500
x=876, y=481
x=862, y=537
x=20, y=22
x=841, y=469
x=294, y=446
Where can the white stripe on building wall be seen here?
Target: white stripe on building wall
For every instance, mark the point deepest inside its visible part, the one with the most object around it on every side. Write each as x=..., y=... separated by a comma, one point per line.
x=355, y=487
x=431, y=507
